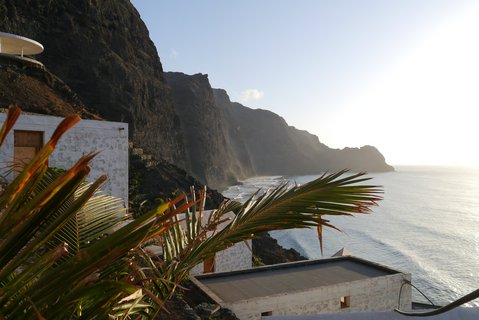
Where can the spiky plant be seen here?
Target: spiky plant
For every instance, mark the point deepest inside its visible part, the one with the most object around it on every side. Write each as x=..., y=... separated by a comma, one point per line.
x=194, y=237
x=59, y=256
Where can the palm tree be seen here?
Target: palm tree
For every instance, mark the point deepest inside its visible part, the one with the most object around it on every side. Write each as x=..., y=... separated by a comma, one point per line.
x=190, y=242
x=64, y=256
x=59, y=256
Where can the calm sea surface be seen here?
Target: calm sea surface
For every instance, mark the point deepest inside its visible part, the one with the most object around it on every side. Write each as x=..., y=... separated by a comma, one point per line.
x=427, y=225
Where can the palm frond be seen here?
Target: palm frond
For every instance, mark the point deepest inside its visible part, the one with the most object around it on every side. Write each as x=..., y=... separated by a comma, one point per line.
x=95, y=219
x=61, y=255
x=285, y=207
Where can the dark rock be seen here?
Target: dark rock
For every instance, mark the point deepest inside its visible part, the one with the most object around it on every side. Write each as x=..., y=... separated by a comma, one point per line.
x=161, y=182
x=37, y=90
x=267, y=249
x=212, y=311
x=209, y=155
x=177, y=309
x=102, y=50
x=204, y=308
x=275, y=148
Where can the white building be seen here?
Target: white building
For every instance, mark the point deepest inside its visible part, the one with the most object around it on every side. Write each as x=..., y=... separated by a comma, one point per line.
x=462, y=313
x=31, y=132
x=338, y=284
x=237, y=257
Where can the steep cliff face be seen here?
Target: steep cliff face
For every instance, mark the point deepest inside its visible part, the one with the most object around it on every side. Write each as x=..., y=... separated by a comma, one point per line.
x=226, y=141
x=210, y=156
x=273, y=147
x=102, y=50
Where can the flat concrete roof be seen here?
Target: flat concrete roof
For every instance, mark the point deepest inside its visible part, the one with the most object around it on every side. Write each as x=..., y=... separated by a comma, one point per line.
x=286, y=278
x=462, y=313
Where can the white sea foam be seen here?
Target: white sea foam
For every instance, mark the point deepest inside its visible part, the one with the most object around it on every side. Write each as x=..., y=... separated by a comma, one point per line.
x=427, y=224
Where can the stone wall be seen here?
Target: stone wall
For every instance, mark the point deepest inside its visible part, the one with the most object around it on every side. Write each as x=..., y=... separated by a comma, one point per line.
x=237, y=257
x=373, y=294
x=109, y=138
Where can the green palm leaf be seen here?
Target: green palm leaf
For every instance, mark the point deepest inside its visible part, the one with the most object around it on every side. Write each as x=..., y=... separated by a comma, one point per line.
x=285, y=207
x=97, y=218
x=61, y=255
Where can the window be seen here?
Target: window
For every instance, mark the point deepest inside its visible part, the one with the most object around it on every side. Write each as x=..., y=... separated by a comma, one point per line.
x=266, y=313
x=345, y=302
x=26, y=145
x=209, y=265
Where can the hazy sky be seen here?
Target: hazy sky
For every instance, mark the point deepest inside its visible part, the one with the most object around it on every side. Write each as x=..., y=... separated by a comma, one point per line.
x=400, y=75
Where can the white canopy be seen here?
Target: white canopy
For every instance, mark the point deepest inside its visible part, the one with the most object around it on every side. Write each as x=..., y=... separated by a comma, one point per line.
x=18, y=45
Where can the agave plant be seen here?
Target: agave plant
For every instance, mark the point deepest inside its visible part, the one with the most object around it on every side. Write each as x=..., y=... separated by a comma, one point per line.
x=60, y=257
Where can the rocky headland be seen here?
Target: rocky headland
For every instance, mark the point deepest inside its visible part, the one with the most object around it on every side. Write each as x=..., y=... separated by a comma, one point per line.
x=102, y=51
x=101, y=63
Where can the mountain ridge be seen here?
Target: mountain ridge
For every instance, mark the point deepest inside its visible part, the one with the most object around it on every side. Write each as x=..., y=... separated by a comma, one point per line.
x=305, y=154
x=102, y=51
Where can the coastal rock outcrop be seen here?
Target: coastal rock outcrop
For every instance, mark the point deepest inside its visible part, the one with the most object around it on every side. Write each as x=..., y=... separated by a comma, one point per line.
x=102, y=51
x=275, y=148
x=227, y=141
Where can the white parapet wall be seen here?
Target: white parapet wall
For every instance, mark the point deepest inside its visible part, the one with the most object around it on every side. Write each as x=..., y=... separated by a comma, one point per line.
x=110, y=139
x=339, y=284
x=376, y=294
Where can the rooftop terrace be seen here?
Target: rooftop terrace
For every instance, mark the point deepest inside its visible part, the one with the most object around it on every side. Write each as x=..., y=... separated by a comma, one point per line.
x=289, y=277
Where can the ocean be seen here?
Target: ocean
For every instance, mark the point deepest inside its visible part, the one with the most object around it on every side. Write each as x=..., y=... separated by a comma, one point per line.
x=427, y=224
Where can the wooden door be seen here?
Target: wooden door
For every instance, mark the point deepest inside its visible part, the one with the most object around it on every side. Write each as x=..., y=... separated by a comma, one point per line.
x=26, y=146
x=209, y=265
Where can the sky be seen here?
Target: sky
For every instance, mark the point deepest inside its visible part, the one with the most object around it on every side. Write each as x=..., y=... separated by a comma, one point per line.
x=400, y=75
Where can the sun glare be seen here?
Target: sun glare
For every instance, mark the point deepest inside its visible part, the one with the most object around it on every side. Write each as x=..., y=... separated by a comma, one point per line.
x=423, y=110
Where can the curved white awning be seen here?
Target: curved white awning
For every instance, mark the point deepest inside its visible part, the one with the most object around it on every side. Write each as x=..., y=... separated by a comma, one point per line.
x=18, y=45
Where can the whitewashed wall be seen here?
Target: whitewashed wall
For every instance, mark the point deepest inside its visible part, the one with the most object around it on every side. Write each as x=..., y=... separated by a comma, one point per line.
x=110, y=138
x=237, y=257
x=373, y=294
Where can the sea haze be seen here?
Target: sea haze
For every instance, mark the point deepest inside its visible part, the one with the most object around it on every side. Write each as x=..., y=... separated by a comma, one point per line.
x=427, y=225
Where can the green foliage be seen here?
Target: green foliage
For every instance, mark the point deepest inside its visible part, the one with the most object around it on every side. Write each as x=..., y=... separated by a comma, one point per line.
x=197, y=235
x=67, y=253
x=62, y=253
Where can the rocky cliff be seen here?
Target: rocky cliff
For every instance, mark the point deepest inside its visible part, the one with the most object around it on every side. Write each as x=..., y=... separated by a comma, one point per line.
x=228, y=141
x=102, y=50
x=275, y=148
x=37, y=90
x=209, y=153
x=272, y=145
